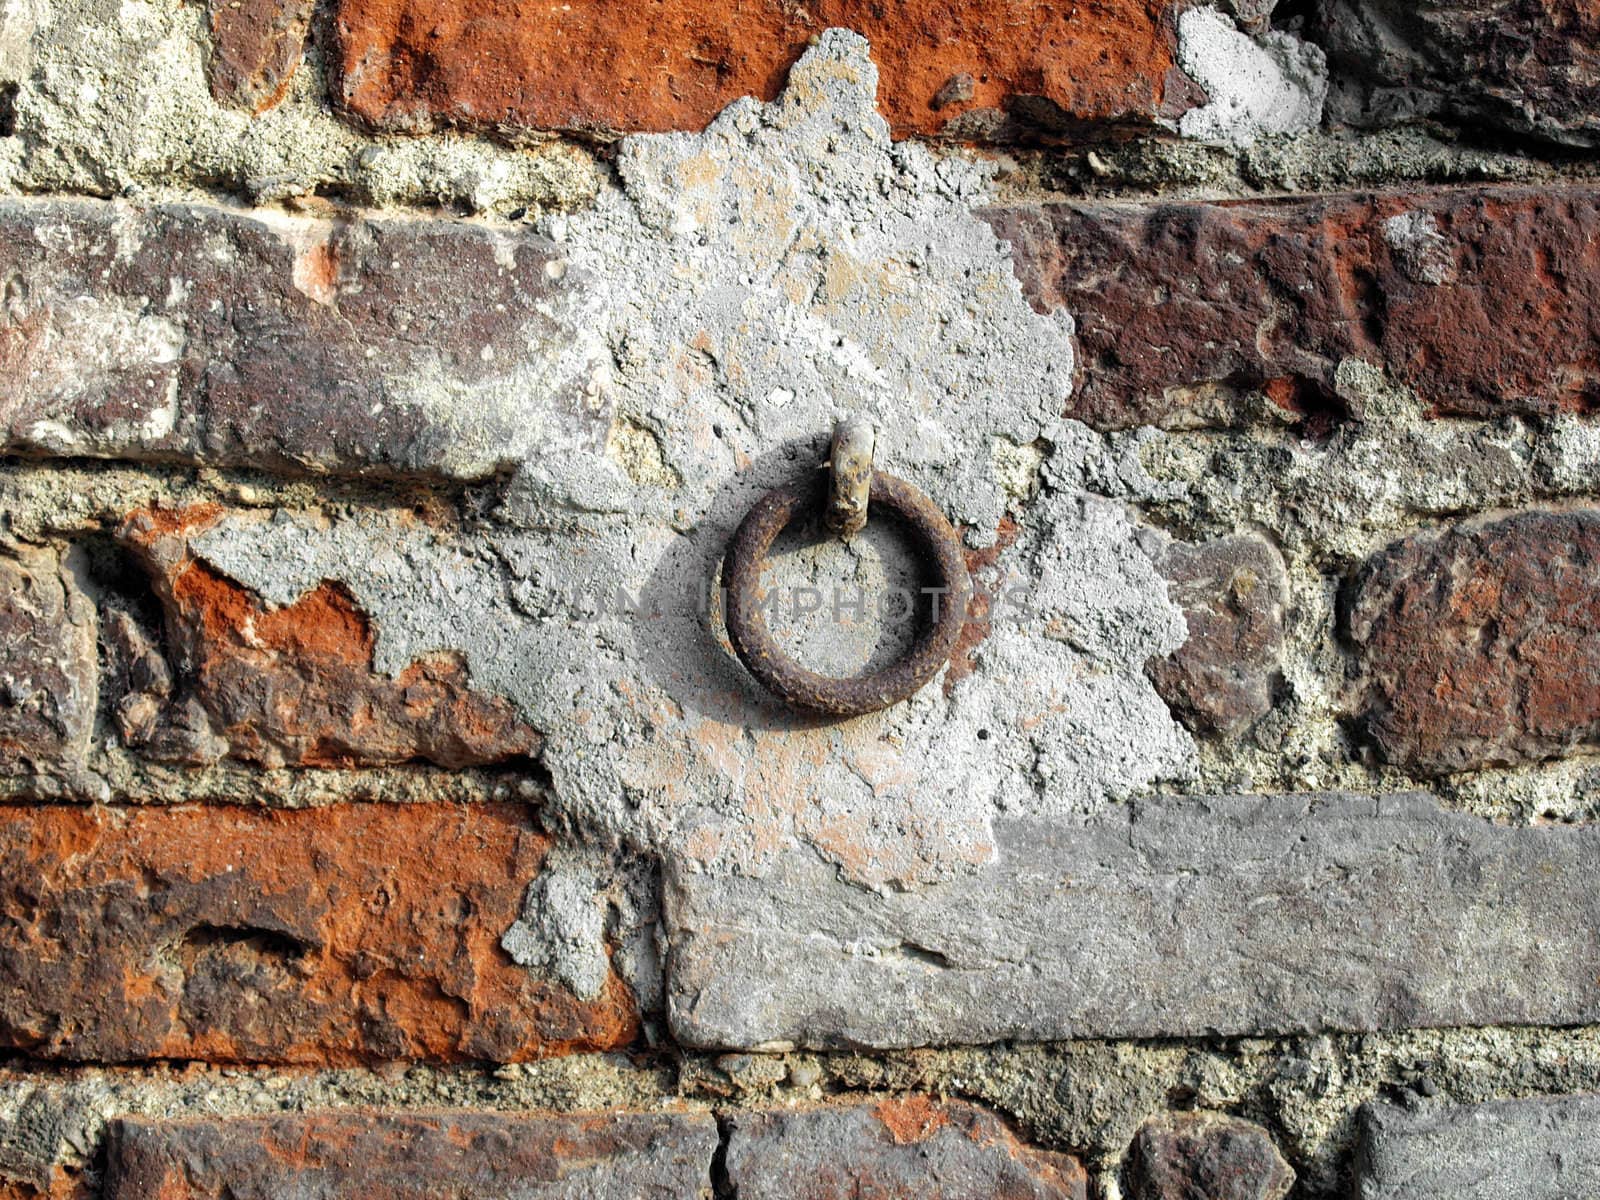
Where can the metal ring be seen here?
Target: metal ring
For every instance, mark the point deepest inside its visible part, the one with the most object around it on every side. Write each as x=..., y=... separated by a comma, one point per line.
x=938, y=547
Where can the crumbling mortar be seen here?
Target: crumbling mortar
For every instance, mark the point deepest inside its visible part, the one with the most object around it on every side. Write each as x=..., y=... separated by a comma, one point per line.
x=1087, y=1098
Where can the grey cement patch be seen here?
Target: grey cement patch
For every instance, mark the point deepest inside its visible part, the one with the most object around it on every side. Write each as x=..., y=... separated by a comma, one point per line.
x=1268, y=83
x=1171, y=917
x=748, y=285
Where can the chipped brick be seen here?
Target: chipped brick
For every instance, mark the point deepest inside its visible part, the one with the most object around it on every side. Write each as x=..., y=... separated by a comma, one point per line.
x=1529, y=66
x=591, y=66
x=357, y=933
x=902, y=1146
x=255, y=47
x=295, y=686
x=1232, y=591
x=47, y=664
x=1182, y=1156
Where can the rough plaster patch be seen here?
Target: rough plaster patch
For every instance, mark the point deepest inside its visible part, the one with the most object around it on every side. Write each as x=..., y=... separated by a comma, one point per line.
x=112, y=100
x=1271, y=83
x=749, y=284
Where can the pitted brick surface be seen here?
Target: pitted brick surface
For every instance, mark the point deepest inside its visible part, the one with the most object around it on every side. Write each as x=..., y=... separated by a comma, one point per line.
x=596, y=66
x=357, y=933
x=1480, y=644
x=1485, y=301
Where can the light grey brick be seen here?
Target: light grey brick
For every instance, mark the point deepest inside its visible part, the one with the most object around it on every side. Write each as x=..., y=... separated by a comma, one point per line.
x=1169, y=917
x=1542, y=1149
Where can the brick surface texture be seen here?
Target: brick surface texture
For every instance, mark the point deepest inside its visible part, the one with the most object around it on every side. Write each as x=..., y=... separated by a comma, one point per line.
x=592, y=66
x=385, y=813
x=1477, y=644
x=398, y=1156
x=293, y=685
x=1483, y=300
x=347, y=934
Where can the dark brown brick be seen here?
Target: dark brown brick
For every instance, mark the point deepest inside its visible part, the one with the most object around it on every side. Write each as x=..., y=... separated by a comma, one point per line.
x=294, y=686
x=255, y=47
x=1206, y=1156
x=1484, y=301
x=1232, y=591
x=205, y=336
x=356, y=933
x=900, y=1147
x=1530, y=66
x=1480, y=645
x=403, y=1156
x=947, y=65
x=47, y=664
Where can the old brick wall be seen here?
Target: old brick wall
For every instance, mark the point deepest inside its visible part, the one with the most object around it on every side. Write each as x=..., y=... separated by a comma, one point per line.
x=382, y=810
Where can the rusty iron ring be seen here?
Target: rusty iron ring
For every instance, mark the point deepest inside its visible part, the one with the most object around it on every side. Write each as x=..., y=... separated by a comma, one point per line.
x=937, y=545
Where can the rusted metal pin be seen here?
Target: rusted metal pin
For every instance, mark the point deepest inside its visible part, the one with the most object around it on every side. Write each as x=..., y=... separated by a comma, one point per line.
x=850, y=476
x=933, y=540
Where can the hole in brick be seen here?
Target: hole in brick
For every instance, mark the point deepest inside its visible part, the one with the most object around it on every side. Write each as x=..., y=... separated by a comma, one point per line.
x=8, y=109
x=1319, y=411
x=246, y=940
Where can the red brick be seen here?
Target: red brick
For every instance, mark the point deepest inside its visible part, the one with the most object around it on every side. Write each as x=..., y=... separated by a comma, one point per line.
x=255, y=47
x=405, y=1156
x=1232, y=592
x=1480, y=645
x=1182, y=1156
x=1484, y=301
x=356, y=933
x=294, y=686
x=47, y=664
x=910, y=1147
x=594, y=65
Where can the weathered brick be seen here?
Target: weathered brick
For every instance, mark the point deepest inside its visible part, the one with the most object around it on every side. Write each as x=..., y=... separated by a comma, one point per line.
x=1531, y=66
x=1546, y=1148
x=947, y=65
x=900, y=1147
x=1484, y=301
x=1172, y=917
x=1232, y=591
x=404, y=1156
x=1187, y=1156
x=341, y=934
x=255, y=47
x=206, y=336
x=293, y=686
x=1480, y=645
x=47, y=664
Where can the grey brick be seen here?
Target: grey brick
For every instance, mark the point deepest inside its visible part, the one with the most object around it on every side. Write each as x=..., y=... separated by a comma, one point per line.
x=1170, y=917
x=1541, y=1149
